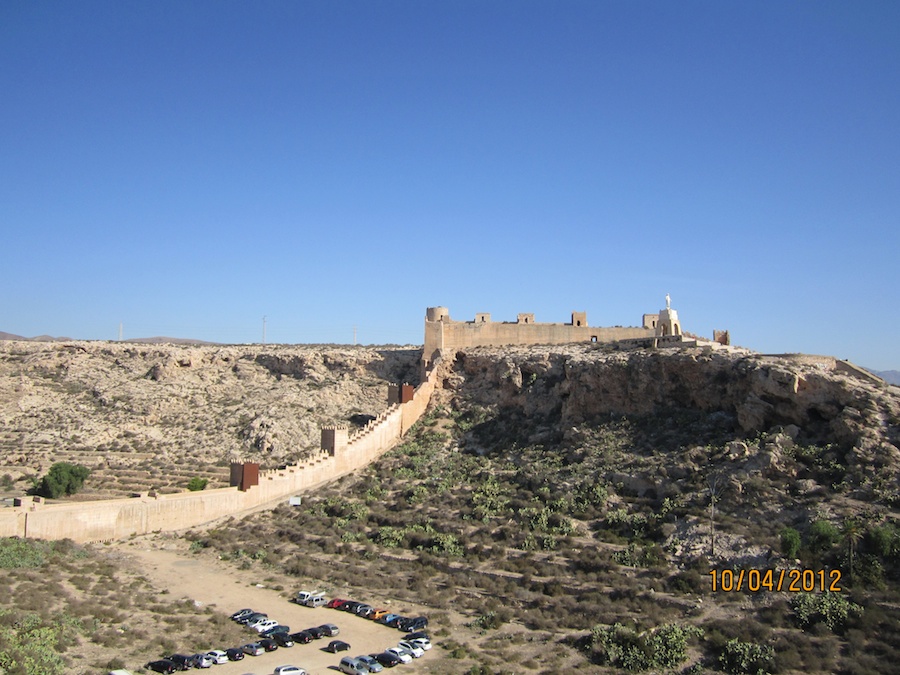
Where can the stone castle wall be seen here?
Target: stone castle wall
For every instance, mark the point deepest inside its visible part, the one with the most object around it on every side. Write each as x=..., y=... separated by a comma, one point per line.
x=119, y=518
x=442, y=334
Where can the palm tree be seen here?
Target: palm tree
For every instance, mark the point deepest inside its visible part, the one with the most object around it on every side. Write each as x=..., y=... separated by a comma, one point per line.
x=852, y=532
x=715, y=484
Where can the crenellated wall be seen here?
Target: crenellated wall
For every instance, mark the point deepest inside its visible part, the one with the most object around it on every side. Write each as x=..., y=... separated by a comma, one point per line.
x=444, y=335
x=120, y=518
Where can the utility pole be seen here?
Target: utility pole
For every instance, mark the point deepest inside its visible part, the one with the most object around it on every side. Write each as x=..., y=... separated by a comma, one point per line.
x=264, y=330
x=354, y=335
x=120, y=331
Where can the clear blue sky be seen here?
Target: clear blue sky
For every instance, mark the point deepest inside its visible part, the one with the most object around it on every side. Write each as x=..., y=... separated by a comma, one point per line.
x=186, y=168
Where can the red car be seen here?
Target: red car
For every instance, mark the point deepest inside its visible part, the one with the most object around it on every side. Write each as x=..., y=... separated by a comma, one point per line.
x=334, y=604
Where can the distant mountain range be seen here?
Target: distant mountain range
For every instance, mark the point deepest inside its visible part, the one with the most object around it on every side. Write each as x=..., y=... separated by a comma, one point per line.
x=889, y=376
x=149, y=340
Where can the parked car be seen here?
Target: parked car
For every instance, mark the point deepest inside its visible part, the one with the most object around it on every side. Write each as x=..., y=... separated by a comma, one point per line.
x=183, y=661
x=335, y=603
x=353, y=666
x=387, y=659
x=162, y=666
x=387, y=618
x=218, y=656
x=377, y=614
x=422, y=642
x=277, y=628
x=268, y=644
x=416, y=651
x=301, y=637
x=201, y=661
x=303, y=596
x=349, y=606
x=336, y=646
x=289, y=670
x=418, y=634
x=253, y=649
x=371, y=663
x=241, y=613
x=412, y=625
x=283, y=639
x=315, y=601
x=316, y=632
x=330, y=629
x=265, y=624
x=363, y=609
x=400, y=653
x=252, y=618
x=234, y=653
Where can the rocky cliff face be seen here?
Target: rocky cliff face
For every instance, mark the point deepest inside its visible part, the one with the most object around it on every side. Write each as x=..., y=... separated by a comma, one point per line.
x=727, y=396
x=144, y=416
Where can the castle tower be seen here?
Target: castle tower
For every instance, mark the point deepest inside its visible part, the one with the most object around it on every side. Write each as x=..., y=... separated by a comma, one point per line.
x=668, y=323
x=335, y=440
x=435, y=318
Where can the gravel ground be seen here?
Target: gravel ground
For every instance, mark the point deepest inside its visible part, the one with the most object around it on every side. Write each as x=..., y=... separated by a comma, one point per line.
x=208, y=583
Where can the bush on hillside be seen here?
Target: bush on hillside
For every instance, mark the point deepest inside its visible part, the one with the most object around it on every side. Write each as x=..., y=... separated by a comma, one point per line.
x=62, y=479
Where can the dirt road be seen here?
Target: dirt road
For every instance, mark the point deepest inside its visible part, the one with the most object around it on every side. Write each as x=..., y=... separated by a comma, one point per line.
x=210, y=583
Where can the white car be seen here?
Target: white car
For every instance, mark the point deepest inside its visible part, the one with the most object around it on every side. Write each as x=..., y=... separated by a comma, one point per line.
x=413, y=649
x=422, y=643
x=257, y=621
x=400, y=653
x=264, y=625
x=217, y=656
x=289, y=670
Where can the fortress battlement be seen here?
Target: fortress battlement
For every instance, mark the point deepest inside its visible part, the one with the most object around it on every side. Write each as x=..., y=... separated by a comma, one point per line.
x=443, y=334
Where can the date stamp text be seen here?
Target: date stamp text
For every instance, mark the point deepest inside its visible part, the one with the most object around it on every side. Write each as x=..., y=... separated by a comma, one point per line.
x=792, y=581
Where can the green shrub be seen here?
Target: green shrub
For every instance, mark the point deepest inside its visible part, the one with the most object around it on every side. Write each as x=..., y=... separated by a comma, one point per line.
x=18, y=553
x=822, y=536
x=831, y=609
x=63, y=478
x=790, y=542
x=196, y=484
x=625, y=648
x=746, y=657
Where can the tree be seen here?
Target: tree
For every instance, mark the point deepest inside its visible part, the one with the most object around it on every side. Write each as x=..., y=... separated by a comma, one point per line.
x=852, y=532
x=63, y=478
x=716, y=485
x=822, y=536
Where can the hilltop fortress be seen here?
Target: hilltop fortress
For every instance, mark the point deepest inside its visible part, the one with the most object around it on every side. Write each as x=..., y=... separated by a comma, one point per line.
x=444, y=335
x=341, y=451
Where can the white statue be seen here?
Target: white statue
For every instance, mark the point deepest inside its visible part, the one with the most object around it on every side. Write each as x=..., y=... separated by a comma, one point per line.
x=668, y=302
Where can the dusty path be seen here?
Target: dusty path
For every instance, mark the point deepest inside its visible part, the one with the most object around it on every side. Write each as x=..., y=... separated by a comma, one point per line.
x=209, y=582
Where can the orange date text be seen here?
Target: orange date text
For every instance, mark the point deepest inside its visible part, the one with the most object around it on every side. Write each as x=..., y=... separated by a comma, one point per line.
x=792, y=581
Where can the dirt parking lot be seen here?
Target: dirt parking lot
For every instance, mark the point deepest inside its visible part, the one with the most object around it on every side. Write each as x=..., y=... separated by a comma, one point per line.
x=194, y=577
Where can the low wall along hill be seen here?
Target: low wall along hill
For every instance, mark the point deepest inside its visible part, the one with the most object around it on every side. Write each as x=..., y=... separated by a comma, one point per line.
x=119, y=518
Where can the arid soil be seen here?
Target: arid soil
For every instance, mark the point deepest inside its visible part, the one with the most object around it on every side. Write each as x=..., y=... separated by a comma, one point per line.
x=155, y=416
x=205, y=581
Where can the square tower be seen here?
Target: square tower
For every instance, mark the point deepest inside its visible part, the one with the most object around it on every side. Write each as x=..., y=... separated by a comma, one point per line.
x=335, y=439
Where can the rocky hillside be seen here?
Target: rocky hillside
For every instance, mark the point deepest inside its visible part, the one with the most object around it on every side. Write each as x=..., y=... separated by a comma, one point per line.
x=143, y=416
x=691, y=397
x=564, y=509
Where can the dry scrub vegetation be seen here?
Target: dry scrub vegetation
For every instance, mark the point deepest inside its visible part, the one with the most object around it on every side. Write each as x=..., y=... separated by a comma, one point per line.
x=72, y=609
x=556, y=563
x=144, y=417
x=554, y=510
